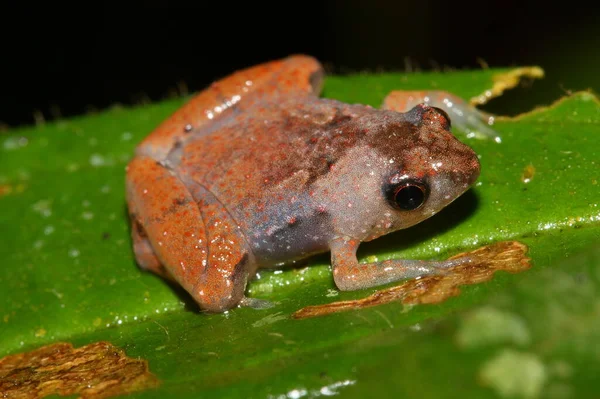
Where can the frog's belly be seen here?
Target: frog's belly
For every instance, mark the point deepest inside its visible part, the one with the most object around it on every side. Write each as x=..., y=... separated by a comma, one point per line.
x=285, y=239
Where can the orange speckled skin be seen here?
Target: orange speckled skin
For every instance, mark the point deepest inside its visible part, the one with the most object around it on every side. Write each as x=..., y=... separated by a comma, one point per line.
x=258, y=171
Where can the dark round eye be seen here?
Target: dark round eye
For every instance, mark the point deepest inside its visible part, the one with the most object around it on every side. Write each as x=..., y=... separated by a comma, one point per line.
x=408, y=195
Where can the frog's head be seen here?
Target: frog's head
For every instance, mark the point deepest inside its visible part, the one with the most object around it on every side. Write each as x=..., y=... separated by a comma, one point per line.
x=432, y=167
x=409, y=167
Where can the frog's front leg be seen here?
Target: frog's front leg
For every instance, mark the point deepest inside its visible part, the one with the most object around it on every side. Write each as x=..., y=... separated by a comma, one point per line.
x=349, y=275
x=192, y=236
x=463, y=115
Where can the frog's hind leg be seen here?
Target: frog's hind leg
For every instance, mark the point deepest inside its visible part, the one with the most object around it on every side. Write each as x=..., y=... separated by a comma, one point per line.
x=230, y=259
x=193, y=238
x=472, y=121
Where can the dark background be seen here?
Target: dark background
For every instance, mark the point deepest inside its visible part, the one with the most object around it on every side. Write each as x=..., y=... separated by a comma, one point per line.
x=60, y=63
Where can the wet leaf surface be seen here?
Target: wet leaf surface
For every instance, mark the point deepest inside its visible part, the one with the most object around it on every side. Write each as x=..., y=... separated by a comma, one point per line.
x=69, y=274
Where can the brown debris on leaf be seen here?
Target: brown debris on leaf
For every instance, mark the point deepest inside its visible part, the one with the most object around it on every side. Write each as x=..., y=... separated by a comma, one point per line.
x=509, y=256
x=98, y=370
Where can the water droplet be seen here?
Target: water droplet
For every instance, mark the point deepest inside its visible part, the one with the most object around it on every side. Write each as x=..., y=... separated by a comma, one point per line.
x=87, y=215
x=43, y=207
x=14, y=143
x=97, y=160
x=73, y=253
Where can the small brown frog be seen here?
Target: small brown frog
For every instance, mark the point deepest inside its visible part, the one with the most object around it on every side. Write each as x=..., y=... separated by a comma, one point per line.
x=257, y=171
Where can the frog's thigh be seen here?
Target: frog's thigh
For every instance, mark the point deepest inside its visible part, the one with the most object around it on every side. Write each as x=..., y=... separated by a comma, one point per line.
x=192, y=235
x=297, y=74
x=300, y=74
x=230, y=259
x=405, y=100
x=172, y=223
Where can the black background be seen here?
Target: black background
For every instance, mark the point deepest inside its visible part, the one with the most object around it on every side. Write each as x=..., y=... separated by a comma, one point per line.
x=65, y=62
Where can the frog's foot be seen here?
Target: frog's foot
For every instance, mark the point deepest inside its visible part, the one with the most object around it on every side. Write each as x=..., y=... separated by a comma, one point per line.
x=464, y=116
x=349, y=275
x=255, y=303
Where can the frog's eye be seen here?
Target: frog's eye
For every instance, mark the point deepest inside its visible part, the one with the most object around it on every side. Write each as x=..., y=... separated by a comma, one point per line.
x=408, y=195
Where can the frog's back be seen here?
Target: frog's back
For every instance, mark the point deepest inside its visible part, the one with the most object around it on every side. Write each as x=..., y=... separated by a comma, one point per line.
x=271, y=144
x=260, y=161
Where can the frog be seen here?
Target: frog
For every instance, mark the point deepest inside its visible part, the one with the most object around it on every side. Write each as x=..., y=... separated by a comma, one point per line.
x=259, y=171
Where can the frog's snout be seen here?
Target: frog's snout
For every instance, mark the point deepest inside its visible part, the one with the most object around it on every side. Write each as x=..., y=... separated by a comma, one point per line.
x=464, y=168
x=475, y=169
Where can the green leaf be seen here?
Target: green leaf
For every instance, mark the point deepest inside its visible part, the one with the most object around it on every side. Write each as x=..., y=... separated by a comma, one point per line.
x=69, y=274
